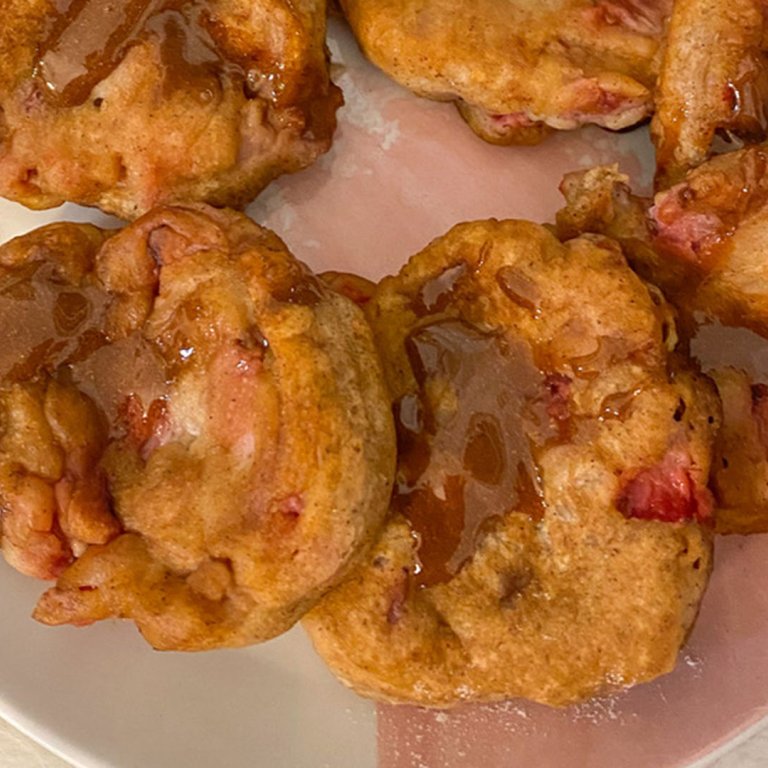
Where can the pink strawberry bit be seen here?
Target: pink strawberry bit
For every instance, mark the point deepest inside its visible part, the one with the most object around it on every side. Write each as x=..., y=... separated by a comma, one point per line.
x=685, y=234
x=639, y=16
x=292, y=506
x=146, y=430
x=666, y=492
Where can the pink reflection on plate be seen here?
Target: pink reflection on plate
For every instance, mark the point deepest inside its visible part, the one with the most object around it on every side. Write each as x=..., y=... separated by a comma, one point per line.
x=720, y=687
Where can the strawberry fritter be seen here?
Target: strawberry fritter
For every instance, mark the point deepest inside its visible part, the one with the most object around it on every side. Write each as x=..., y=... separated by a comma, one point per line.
x=194, y=431
x=516, y=69
x=140, y=102
x=702, y=241
x=52, y=491
x=550, y=535
x=714, y=79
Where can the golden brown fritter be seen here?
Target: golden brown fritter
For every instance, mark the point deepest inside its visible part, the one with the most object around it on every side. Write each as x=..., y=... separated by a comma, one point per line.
x=600, y=201
x=702, y=242
x=53, y=497
x=194, y=433
x=517, y=69
x=712, y=226
x=550, y=535
x=713, y=79
x=141, y=102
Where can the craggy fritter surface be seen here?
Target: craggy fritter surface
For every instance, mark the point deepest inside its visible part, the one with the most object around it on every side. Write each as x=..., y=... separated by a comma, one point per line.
x=713, y=79
x=517, y=68
x=194, y=433
x=703, y=243
x=191, y=100
x=550, y=534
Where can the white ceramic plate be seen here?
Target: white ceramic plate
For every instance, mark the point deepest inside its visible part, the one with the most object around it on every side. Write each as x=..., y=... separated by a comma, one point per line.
x=402, y=171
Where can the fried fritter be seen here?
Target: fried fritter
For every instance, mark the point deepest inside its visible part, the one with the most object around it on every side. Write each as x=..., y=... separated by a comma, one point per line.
x=600, y=201
x=702, y=243
x=518, y=69
x=712, y=226
x=550, y=535
x=195, y=433
x=140, y=102
x=714, y=79
x=53, y=497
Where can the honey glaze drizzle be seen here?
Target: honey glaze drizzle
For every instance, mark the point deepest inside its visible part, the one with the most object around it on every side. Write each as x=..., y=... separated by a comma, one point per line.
x=466, y=441
x=88, y=39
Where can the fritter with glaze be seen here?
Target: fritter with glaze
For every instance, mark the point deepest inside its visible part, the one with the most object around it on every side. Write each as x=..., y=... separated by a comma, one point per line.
x=135, y=103
x=194, y=433
x=550, y=532
x=701, y=241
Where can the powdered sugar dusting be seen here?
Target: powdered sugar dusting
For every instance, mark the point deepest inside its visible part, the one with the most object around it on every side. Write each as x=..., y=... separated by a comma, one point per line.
x=357, y=112
x=360, y=109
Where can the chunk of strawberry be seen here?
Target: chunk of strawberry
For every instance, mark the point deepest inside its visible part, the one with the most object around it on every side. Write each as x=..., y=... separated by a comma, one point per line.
x=666, y=492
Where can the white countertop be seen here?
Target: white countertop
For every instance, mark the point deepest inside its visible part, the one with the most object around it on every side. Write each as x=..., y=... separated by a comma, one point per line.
x=18, y=751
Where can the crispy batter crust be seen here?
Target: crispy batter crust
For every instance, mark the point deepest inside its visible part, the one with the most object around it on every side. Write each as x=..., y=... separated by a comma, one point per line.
x=714, y=78
x=131, y=145
x=518, y=69
x=249, y=455
x=595, y=595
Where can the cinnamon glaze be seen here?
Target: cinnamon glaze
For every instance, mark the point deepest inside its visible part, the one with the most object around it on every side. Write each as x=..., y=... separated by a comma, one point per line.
x=747, y=93
x=520, y=289
x=618, y=405
x=300, y=288
x=87, y=40
x=47, y=322
x=54, y=328
x=467, y=440
x=435, y=295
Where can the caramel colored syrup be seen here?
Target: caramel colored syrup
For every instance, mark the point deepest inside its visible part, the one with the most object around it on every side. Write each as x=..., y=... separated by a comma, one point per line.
x=303, y=289
x=436, y=294
x=520, y=289
x=467, y=438
x=54, y=328
x=747, y=93
x=88, y=39
x=47, y=322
